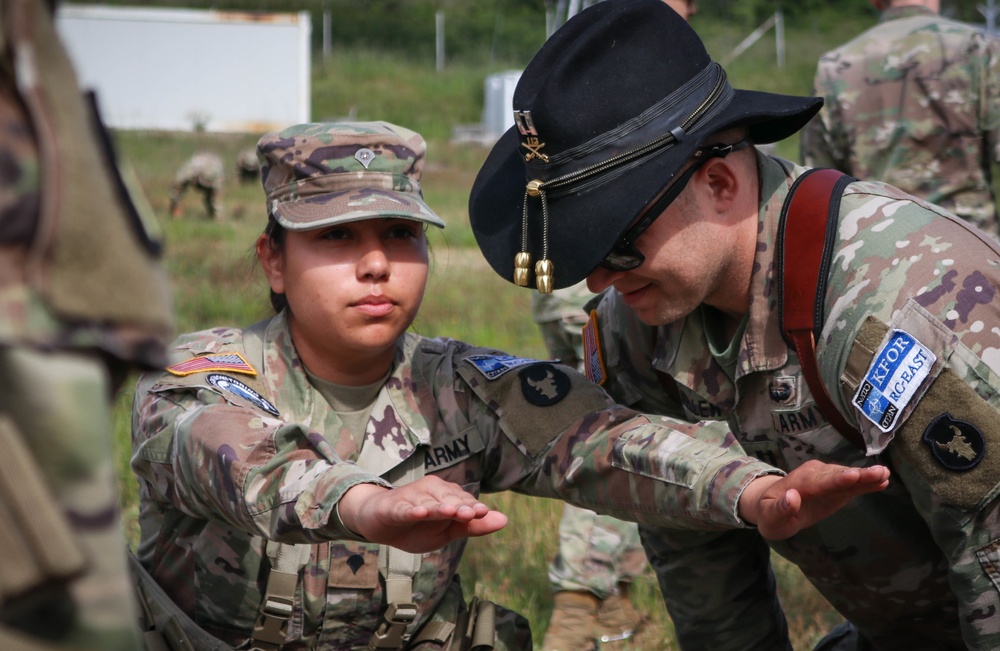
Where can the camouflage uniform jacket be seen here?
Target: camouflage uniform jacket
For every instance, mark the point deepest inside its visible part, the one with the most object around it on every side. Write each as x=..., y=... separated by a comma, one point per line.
x=227, y=459
x=914, y=102
x=916, y=566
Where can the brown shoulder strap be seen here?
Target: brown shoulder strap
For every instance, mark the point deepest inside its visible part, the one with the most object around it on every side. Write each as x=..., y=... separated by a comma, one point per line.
x=806, y=232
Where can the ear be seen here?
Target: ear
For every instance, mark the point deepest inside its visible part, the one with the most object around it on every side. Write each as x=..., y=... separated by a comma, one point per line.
x=272, y=261
x=722, y=181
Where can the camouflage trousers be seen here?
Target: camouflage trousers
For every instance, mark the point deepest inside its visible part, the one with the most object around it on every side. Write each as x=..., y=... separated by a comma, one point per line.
x=596, y=553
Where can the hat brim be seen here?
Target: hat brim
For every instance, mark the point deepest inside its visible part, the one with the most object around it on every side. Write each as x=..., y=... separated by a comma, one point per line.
x=584, y=226
x=333, y=208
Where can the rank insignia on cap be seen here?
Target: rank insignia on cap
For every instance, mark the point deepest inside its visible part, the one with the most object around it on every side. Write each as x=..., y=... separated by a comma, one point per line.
x=593, y=357
x=543, y=384
x=956, y=444
x=234, y=386
x=364, y=156
x=224, y=362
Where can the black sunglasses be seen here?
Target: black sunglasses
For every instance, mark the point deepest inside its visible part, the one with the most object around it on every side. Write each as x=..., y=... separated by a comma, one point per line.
x=624, y=256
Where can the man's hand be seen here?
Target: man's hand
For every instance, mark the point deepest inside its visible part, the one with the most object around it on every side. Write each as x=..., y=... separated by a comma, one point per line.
x=418, y=517
x=783, y=506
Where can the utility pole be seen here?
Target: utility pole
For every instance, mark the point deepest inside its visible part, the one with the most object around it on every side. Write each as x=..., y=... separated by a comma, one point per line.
x=990, y=12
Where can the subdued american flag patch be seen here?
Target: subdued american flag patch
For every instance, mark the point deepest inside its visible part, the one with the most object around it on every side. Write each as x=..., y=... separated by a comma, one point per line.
x=229, y=362
x=593, y=358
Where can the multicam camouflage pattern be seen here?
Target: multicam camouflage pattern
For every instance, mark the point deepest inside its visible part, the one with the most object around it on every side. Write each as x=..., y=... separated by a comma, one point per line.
x=596, y=552
x=66, y=341
x=914, y=102
x=914, y=566
x=321, y=174
x=203, y=172
x=219, y=474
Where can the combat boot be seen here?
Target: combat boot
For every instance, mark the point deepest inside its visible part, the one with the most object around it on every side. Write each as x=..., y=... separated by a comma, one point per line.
x=572, y=627
x=617, y=618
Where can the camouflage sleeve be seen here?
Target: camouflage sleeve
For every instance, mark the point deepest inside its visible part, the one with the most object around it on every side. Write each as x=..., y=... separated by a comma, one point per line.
x=219, y=461
x=823, y=141
x=562, y=438
x=933, y=411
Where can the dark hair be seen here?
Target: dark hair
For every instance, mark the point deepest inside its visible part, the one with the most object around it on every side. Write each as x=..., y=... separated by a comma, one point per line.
x=276, y=233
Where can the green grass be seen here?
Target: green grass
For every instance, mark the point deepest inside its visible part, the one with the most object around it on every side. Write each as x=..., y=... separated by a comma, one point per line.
x=215, y=283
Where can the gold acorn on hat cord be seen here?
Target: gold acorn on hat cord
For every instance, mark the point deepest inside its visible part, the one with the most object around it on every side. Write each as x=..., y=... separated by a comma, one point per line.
x=544, y=269
x=522, y=260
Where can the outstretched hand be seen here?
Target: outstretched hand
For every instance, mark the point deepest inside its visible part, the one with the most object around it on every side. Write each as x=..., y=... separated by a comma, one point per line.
x=783, y=506
x=418, y=517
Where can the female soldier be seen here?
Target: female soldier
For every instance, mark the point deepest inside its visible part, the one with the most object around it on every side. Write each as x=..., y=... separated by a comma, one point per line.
x=266, y=456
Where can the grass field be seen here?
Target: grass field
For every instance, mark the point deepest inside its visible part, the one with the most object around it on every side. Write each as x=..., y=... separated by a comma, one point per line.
x=215, y=282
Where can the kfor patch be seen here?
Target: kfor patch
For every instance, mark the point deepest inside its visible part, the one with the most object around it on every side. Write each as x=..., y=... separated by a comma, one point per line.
x=234, y=386
x=543, y=384
x=895, y=374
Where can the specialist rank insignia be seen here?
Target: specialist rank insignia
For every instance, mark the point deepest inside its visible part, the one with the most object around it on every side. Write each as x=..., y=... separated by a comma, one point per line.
x=955, y=444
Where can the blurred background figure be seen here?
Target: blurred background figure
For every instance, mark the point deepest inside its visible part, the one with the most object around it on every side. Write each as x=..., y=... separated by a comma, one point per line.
x=204, y=172
x=247, y=166
x=915, y=102
x=598, y=555
x=83, y=301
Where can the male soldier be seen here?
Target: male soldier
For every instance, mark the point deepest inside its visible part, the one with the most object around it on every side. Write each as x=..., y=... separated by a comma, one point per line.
x=599, y=556
x=204, y=172
x=632, y=164
x=915, y=102
x=70, y=233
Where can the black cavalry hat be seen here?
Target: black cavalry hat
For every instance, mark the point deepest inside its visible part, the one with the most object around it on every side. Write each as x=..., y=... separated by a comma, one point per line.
x=606, y=113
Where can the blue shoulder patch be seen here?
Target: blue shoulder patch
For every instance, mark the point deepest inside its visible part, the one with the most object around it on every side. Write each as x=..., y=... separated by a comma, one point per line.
x=234, y=386
x=493, y=366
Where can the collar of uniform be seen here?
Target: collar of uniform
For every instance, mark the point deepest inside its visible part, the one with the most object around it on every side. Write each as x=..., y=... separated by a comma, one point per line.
x=299, y=401
x=410, y=398
x=763, y=348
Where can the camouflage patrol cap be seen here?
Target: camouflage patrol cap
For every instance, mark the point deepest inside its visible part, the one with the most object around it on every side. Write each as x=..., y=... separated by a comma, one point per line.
x=320, y=174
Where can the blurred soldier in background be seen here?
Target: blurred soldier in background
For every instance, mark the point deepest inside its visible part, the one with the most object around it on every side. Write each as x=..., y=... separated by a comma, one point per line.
x=247, y=165
x=204, y=172
x=67, y=341
x=915, y=102
x=598, y=555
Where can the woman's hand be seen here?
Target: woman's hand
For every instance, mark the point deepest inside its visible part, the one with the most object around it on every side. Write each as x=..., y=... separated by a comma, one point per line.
x=418, y=517
x=783, y=506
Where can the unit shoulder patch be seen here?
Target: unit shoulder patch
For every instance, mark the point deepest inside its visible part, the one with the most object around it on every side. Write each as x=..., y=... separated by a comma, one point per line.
x=543, y=384
x=955, y=444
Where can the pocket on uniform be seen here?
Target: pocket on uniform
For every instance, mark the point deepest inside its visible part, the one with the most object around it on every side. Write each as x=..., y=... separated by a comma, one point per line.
x=674, y=457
